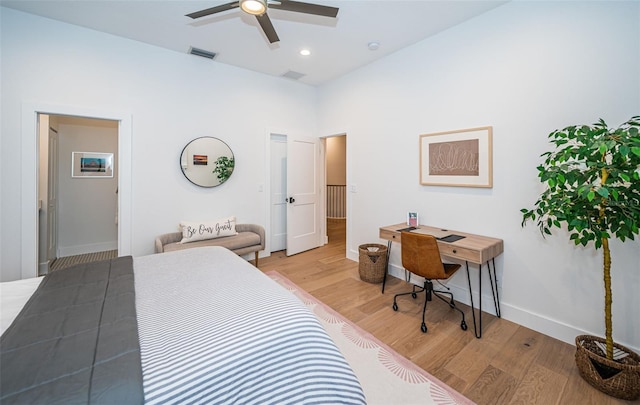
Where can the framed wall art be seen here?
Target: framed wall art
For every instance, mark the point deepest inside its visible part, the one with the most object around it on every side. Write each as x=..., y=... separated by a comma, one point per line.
x=200, y=160
x=91, y=164
x=461, y=158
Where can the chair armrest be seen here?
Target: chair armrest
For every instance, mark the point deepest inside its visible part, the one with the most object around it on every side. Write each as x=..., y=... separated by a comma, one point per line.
x=166, y=239
x=252, y=228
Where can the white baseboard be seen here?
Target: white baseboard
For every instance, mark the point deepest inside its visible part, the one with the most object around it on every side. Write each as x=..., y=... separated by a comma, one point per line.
x=84, y=249
x=550, y=327
x=43, y=268
x=539, y=323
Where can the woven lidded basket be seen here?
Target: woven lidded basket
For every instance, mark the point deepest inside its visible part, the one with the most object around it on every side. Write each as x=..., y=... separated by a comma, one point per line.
x=623, y=380
x=372, y=262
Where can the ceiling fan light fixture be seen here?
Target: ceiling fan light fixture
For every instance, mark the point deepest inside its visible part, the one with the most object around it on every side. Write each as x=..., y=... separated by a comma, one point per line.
x=255, y=7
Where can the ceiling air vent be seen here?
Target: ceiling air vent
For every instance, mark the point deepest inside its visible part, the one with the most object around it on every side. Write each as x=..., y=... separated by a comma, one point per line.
x=293, y=75
x=202, y=52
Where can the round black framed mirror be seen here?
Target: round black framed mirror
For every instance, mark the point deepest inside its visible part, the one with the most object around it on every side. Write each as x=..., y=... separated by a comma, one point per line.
x=207, y=161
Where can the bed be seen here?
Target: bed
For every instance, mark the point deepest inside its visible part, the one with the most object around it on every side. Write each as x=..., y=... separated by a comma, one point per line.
x=193, y=326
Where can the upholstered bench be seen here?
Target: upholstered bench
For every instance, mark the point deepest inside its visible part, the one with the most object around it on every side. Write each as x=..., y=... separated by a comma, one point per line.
x=249, y=238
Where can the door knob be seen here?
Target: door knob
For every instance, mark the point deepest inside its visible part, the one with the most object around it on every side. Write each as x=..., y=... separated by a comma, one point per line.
x=291, y=200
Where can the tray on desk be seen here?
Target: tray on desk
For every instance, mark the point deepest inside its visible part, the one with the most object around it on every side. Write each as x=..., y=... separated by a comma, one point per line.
x=442, y=234
x=452, y=238
x=438, y=234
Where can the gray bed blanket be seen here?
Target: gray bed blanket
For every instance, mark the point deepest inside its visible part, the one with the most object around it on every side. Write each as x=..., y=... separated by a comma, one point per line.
x=76, y=340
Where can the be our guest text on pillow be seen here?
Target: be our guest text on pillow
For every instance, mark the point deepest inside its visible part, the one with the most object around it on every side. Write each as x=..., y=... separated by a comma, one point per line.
x=201, y=230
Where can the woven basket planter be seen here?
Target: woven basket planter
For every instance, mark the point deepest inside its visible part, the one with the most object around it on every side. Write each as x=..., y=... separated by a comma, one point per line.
x=372, y=262
x=618, y=378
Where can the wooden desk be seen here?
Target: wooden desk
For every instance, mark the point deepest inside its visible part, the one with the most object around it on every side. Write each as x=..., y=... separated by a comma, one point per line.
x=476, y=249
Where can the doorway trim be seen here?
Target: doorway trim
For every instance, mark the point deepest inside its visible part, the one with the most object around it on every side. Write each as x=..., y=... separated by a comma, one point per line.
x=29, y=177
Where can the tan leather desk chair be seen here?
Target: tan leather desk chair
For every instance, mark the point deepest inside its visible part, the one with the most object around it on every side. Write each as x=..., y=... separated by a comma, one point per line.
x=421, y=256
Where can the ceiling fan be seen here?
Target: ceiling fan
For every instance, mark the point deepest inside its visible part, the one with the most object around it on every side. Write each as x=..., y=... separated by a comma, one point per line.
x=259, y=9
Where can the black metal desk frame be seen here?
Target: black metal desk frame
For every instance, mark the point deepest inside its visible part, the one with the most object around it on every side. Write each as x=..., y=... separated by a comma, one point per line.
x=477, y=324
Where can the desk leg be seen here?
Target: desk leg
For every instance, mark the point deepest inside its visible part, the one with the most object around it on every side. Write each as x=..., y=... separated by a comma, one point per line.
x=494, y=286
x=494, y=292
x=386, y=267
x=477, y=326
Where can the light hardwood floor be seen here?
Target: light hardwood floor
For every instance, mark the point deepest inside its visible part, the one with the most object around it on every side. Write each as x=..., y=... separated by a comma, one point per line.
x=510, y=364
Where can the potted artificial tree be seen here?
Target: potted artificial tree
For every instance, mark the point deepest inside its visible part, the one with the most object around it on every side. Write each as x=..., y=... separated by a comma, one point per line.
x=592, y=180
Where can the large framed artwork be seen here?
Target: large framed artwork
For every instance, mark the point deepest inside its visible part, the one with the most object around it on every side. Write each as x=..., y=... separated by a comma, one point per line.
x=91, y=164
x=461, y=158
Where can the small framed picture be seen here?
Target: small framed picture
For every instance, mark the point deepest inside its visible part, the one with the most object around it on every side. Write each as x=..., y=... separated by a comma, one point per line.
x=200, y=160
x=91, y=164
x=412, y=219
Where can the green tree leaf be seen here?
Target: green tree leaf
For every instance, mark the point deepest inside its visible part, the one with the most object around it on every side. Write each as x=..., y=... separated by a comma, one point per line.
x=604, y=192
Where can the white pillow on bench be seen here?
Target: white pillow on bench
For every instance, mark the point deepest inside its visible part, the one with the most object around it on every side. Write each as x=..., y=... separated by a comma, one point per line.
x=201, y=230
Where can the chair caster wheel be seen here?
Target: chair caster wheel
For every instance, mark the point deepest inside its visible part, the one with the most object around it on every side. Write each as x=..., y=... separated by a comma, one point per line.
x=395, y=306
x=463, y=325
x=423, y=328
x=413, y=295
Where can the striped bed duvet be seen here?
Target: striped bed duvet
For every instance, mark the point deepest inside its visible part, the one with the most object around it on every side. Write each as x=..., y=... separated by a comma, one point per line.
x=211, y=329
x=214, y=330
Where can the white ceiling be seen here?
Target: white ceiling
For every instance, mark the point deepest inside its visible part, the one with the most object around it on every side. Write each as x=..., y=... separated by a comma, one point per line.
x=338, y=45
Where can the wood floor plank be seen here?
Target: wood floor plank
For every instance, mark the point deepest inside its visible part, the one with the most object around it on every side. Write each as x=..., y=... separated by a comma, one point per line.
x=540, y=386
x=470, y=362
x=493, y=386
x=519, y=352
x=557, y=356
x=452, y=380
x=442, y=348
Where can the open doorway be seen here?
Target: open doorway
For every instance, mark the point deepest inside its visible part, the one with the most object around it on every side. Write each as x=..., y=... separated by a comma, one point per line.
x=77, y=191
x=30, y=177
x=336, y=188
x=327, y=179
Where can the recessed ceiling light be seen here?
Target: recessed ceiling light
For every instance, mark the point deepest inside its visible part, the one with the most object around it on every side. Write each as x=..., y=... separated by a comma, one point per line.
x=305, y=52
x=373, y=46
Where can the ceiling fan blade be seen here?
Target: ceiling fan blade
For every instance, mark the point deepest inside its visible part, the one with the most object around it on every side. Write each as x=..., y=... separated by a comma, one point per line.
x=307, y=8
x=267, y=27
x=213, y=10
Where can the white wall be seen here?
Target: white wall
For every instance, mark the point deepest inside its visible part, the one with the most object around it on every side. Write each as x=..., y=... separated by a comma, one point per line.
x=525, y=68
x=172, y=99
x=87, y=206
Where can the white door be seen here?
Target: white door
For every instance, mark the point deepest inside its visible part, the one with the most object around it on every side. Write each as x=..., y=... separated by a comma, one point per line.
x=52, y=198
x=303, y=191
x=278, y=200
